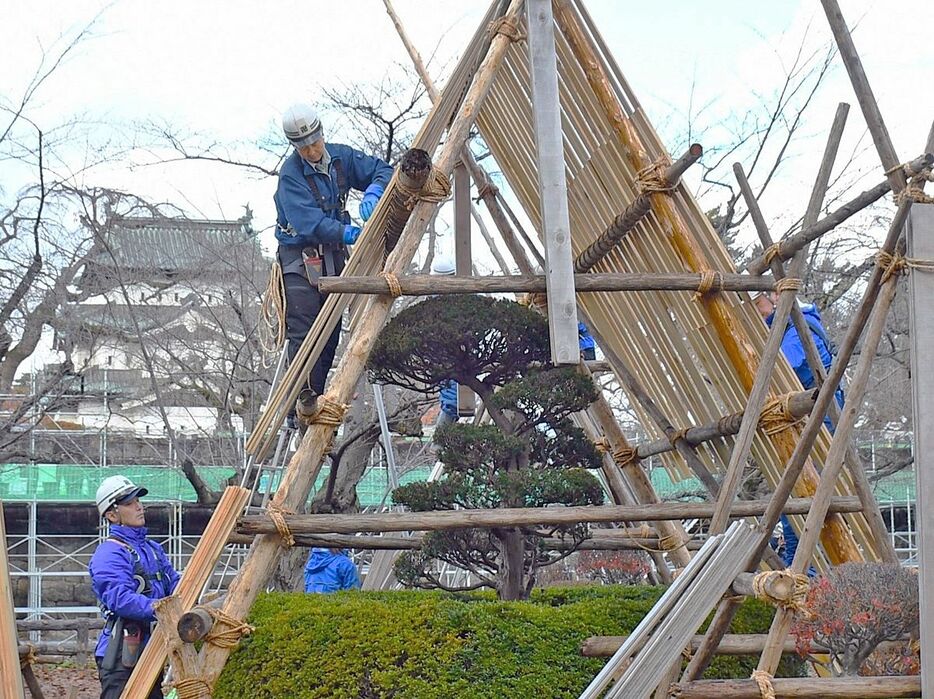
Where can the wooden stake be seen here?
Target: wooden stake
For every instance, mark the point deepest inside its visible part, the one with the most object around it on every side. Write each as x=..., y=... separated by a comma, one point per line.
x=12, y=685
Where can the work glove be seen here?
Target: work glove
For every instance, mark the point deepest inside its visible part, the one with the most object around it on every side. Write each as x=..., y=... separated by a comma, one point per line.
x=370, y=198
x=351, y=233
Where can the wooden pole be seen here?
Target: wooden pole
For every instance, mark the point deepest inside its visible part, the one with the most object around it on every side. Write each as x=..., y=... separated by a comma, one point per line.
x=303, y=468
x=12, y=685
x=808, y=234
x=730, y=644
x=429, y=285
x=552, y=184
x=803, y=688
x=833, y=464
x=799, y=405
x=920, y=236
x=838, y=541
x=635, y=212
x=517, y=516
x=760, y=387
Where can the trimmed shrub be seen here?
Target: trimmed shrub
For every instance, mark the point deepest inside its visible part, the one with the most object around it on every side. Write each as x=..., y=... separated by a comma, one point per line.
x=421, y=645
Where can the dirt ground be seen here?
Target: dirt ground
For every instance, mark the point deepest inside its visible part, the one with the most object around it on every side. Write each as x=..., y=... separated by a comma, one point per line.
x=67, y=682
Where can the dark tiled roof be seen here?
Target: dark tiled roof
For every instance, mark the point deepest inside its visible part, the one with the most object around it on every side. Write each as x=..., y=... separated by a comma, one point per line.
x=174, y=245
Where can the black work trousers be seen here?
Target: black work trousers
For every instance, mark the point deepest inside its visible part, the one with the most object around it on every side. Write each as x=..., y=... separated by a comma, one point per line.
x=113, y=682
x=303, y=303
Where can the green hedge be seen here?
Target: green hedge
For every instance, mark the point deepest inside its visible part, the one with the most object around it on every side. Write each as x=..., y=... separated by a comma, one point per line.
x=429, y=644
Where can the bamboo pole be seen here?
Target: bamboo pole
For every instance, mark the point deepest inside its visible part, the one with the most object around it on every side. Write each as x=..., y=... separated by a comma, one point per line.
x=808, y=234
x=803, y=688
x=12, y=685
x=433, y=285
x=196, y=574
x=517, y=516
x=305, y=464
x=838, y=540
x=620, y=227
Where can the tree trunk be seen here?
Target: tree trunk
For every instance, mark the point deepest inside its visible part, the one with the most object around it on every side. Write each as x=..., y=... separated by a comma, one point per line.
x=512, y=574
x=205, y=495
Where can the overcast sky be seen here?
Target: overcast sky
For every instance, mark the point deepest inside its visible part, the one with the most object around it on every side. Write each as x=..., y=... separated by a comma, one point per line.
x=228, y=68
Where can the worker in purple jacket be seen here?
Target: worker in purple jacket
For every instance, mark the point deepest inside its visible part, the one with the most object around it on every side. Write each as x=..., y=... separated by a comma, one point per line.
x=129, y=572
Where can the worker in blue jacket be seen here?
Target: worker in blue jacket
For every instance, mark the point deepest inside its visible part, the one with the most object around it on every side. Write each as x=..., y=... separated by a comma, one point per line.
x=314, y=229
x=587, y=345
x=793, y=350
x=330, y=570
x=128, y=573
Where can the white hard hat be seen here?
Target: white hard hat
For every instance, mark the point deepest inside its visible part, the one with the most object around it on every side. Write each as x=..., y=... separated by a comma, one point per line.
x=301, y=125
x=443, y=264
x=116, y=490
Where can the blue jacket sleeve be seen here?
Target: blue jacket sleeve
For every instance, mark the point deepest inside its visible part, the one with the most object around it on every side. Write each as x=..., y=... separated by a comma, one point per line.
x=366, y=170
x=112, y=579
x=349, y=580
x=311, y=226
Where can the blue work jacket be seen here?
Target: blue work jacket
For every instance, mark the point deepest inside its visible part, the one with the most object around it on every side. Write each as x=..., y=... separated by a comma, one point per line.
x=794, y=350
x=584, y=337
x=300, y=220
x=112, y=569
x=327, y=571
x=448, y=396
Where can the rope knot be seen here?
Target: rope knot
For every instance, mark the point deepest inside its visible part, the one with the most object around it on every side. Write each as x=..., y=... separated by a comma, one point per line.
x=277, y=515
x=625, y=456
x=710, y=280
x=508, y=27
x=227, y=631
x=392, y=282
x=193, y=688
x=651, y=179
x=771, y=252
x=764, y=682
x=788, y=284
x=776, y=415
x=799, y=593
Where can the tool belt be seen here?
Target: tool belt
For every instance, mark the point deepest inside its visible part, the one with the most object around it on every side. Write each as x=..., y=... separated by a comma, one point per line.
x=313, y=261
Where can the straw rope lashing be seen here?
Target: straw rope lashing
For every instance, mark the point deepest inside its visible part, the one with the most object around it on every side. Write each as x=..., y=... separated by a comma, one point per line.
x=798, y=597
x=392, y=282
x=487, y=188
x=710, y=280
x=625, y=456
x=913, y=192
x=899, y=264
x=329, y=412
x=651, y=179
x=666, y=543
x=788, y=284
x=764, y=682
x=436, y=189
x=277, y=515
x=30, y=657
x=272, y=309
x=776, y=415
x=771, y=252
x=192, y=688
x=508, y=27
x=231, y=633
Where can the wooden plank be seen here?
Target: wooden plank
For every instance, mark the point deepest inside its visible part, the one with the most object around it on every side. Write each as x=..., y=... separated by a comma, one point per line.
x=556, y=227
x=12, y=685
x=199, y=570
x=921, y=331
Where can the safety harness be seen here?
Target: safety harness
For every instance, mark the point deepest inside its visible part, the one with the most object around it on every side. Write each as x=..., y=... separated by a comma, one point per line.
x=329, y=251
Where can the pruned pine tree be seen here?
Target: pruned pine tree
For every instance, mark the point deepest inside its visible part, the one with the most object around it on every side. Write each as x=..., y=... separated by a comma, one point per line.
x=530, y=455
